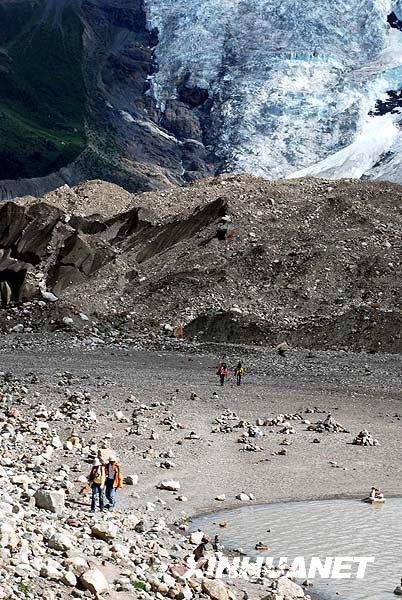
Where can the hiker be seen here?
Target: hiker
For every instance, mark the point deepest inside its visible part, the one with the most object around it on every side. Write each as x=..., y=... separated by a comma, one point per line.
x=239, y=372
x=223, y=228
x=114, y=480
x=398, y=589
x=222, y=371
x=97, y=481
x=201, y=549
x=376, y=494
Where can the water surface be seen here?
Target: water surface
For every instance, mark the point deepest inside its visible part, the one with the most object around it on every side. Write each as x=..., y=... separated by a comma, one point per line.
x=322, y=528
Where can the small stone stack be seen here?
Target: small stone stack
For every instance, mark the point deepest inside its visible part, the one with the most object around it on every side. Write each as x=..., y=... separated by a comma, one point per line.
x=364, y=438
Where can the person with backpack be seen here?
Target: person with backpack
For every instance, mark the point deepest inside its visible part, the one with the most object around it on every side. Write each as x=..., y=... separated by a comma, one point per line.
x=96, y=480
x=114, y=481
x=222, y=371
x=239, y=372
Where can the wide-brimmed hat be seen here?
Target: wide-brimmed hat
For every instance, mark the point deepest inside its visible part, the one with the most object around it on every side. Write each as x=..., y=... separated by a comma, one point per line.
x=112, y=458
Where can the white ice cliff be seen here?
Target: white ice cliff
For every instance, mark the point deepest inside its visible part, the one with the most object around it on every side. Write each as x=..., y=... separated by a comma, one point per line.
x=291, y=83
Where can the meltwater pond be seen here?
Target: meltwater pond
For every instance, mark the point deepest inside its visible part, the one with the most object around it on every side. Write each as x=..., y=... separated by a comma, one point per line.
x=323, y=528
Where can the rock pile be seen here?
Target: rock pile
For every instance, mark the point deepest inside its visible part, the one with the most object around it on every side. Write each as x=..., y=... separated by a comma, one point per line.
x=364, y=438
x=329, y=425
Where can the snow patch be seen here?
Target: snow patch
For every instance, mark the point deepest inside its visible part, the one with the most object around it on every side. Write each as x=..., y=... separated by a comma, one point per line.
x=376, y=139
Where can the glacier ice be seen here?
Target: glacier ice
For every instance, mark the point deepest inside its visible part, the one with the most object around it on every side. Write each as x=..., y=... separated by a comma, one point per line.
x=291, y=83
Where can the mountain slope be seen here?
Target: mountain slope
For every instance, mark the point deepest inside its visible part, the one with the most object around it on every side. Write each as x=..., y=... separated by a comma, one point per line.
x=42, y=95
x=75, y=101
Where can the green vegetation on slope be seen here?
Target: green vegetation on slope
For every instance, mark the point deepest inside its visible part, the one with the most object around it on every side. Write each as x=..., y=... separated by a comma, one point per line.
x=42, y=92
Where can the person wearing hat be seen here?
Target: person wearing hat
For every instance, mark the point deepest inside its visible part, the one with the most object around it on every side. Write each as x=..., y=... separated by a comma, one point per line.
x=97, y=481
x=223, y=228
x=114, y=480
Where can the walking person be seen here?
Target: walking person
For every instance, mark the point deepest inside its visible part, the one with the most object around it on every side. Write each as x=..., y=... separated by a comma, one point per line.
x=96, y=479
x=222, y=371
x=114, y=481
x=239, y=372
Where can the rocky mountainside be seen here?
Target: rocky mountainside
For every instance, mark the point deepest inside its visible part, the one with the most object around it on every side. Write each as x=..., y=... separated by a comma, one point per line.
x=149, y=94
x=75, y=100
x=314, y=262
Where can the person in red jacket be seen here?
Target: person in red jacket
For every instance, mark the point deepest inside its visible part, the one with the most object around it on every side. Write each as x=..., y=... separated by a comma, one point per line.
x=222, y=371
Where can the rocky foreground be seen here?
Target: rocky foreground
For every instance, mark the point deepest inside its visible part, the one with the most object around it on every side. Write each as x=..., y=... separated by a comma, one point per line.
x=185, y=445
x=312, y=262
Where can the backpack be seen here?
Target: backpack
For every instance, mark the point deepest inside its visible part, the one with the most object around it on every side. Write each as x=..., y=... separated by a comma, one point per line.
x=100, y=477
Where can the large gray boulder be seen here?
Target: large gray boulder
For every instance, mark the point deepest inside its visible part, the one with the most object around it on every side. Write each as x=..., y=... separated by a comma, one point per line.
x=52, y=500
x=61, y=542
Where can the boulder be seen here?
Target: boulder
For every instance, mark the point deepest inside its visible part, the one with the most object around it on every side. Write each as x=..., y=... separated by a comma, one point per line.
x=8, y=535
x=104, y=531
x=22, y=480
x=215, y=589
x=50, y=571
x=69, y=579
x=196, y=537
x=49, y=296
x=77, y=565
x=105, y=453
x=243, y=497
x=120, y=416
x=282, y=348
x=131, y=479
x=170, y=485
x=159, y=587
x=52, y=500
x=61, y=542
x=94, y=581
x=287, y=587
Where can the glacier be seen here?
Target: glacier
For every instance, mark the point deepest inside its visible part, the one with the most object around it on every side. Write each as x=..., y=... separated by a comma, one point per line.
x=293, y=85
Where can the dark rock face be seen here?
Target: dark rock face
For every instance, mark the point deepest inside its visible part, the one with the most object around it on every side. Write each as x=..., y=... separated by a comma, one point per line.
x=192, y=95
x=394, y=21
x=41, y=247
x=132, y=141
x=124, y=14
x=228, y=327
x=391, y=105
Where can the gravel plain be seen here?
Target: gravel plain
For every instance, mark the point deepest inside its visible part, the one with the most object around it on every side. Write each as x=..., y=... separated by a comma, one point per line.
x=360, y=391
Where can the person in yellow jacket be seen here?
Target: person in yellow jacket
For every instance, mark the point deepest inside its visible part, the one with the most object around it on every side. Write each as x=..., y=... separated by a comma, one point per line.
x=96, y=480
x=239, y=372
x=114, y=480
